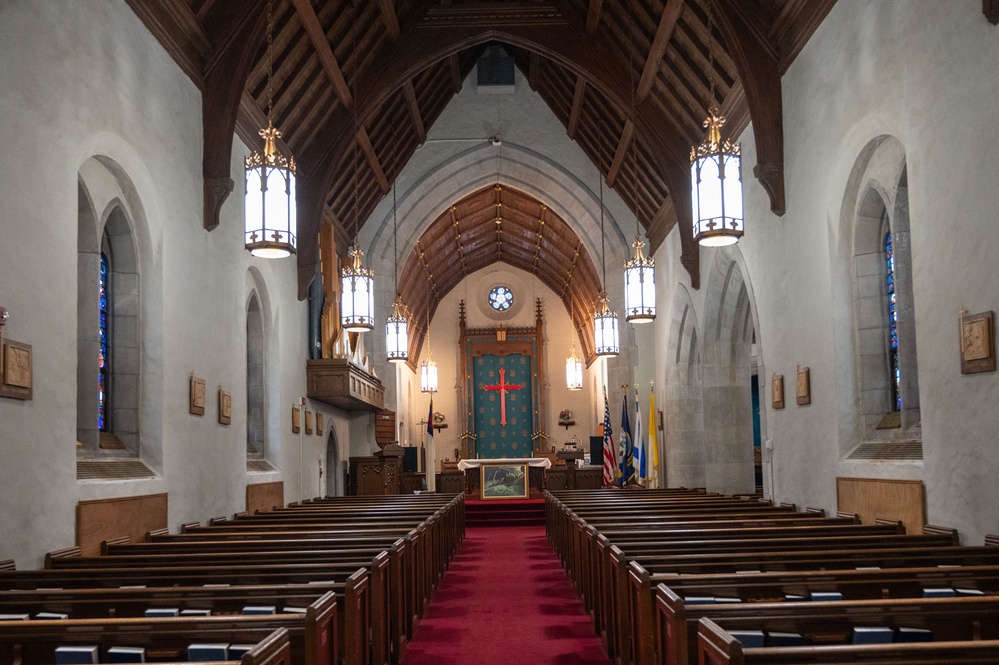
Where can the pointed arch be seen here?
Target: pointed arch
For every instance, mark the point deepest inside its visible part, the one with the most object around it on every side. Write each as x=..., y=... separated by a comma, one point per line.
x=684, y=450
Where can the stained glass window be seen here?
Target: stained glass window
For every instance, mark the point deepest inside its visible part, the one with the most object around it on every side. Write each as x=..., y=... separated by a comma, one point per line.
x=501, y=298
x=896, y=373
x=103, y=358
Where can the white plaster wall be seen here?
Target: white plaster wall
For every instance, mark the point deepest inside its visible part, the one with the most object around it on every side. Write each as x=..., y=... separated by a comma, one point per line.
x=85, y=79
x=923, y=72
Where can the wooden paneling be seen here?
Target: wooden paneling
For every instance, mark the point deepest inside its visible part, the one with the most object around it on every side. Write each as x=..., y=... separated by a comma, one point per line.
x=385, y=427
x=104, y=519
x=872, y=498
x=264, y=496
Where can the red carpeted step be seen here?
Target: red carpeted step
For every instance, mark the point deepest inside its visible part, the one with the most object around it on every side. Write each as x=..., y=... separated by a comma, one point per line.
x=505, y=600
x=523, y=512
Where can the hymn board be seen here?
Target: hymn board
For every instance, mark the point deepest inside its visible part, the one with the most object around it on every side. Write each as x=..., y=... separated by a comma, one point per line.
x=502, y=377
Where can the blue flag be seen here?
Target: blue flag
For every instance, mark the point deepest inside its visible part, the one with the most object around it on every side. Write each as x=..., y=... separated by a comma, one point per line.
x=642, y=463
x=626, y=473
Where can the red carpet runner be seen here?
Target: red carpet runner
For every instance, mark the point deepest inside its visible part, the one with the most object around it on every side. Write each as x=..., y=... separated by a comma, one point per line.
x=505, y=600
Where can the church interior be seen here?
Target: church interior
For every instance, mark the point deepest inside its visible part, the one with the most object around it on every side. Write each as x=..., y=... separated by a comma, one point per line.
x=480, y=174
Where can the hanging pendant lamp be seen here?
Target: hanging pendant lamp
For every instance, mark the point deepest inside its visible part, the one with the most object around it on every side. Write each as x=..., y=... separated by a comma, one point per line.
x=573, y=369
x=428, y=368
x=269, y=210
x=605, y=325
x=397, y=325
x=716, y=176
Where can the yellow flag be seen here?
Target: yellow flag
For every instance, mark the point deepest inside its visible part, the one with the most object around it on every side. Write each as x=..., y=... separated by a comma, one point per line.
x=653, y=444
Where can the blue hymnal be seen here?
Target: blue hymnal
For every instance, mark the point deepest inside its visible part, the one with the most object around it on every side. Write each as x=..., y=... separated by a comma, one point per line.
x=750, y=639
x=794, y=598
x=207, y=652
x=914, y=635
x=158, y=612
x=195, y=613
x=13, y=617
x=721, y=599
x=51, y=616
x=827, y=595
x=126, y=655
x=236, y=651
x=698, y=600
x=969, y=592
x=259, y=609
x=75, y=655
x=778, y=639
x=940, y=592
x=294, y=610
x=873, y=635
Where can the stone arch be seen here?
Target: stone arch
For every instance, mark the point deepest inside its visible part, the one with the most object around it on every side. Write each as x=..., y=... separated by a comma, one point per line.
x=876, y=202
x=102, y=185
x=684, y=450
x=268, y=399
x=726, y=355
x=255, y=409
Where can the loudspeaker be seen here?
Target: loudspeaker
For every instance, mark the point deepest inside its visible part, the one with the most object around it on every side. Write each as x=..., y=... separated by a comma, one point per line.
x=597, y=450
x=409, y=460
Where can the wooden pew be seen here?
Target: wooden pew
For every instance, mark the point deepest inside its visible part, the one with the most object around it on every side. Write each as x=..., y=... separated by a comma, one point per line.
x=827, y=622
x=309, y=637
x=771, y=587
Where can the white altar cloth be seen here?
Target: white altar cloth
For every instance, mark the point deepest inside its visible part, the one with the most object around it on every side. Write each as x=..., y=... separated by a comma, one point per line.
x=542, y=462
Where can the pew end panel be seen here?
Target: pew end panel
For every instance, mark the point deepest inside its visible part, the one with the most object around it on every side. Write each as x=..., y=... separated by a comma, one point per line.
x=715, y=646
x=672, y=645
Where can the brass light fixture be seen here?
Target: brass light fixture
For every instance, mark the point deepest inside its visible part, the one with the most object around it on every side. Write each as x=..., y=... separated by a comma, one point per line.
x=397, y=325
x=716, y=176
x=605, y=325
x=269, y=210
x=357, y=294
x=639, y=272
x=428, y=368
x=573, y=368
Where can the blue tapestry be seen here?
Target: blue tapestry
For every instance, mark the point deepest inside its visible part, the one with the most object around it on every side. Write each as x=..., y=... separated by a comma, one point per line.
x=503, y=381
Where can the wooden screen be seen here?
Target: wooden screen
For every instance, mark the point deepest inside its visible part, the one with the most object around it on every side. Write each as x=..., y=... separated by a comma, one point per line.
x=264, y=496
x=104, y=519
x=891, y=499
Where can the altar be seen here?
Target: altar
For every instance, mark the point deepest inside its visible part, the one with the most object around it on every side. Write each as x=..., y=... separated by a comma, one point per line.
x=504, y=478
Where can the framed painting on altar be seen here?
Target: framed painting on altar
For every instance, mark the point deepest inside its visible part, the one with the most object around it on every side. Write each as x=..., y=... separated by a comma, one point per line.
x=503, y=481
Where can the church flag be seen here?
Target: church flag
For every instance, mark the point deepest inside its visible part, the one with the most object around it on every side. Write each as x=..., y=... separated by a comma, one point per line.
x=609, y=453
x=431, y=452
x=641, y=452
x=653, y=443
x=626, y=467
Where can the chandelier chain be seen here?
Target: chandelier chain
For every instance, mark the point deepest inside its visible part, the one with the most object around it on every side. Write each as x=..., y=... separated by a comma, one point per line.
x=270, y=60
x=711, y=55
x=395, y=241
x=603, y=258
x=634, y=94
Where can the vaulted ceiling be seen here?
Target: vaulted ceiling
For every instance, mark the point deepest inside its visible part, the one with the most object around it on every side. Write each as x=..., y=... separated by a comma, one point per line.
x=357, y=84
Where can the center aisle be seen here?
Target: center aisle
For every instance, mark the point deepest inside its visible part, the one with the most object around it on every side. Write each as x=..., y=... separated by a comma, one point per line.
x=505, y=600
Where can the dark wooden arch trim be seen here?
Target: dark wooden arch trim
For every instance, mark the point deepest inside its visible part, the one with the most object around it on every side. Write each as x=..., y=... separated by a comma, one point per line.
x=592, y=58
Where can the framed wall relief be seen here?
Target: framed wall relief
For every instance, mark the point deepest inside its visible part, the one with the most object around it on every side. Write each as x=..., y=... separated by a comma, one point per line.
x=225, y=407
x=802, y=387
x=977, y=343
x=296, y=419
x=319, y=424
x=308, y=422
x=777, y=391
x=16, y=370
x=197, y=396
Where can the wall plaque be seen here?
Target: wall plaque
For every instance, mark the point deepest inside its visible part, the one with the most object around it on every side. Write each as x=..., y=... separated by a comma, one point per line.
x=15, y=371
x=777, y=391
x=197, y=396
x=802, y=387
x=225, y=407
x=977, y=343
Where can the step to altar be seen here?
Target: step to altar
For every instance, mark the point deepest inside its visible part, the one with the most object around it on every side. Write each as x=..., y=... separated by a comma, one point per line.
x=503, y=512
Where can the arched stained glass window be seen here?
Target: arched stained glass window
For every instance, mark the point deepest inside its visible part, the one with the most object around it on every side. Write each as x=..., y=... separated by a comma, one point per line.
x=896, y=374
x=103, y=361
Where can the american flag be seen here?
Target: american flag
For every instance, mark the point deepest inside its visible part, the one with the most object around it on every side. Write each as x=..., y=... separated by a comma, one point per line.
x=610, y=454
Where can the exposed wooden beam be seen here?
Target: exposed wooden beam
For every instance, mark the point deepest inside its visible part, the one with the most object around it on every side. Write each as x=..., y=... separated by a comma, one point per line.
x=177, y=29
x=364, y=142
x=455, y=65
x=622, y=149
x=991, y=10
x=667, y=23
x=389, y=18
x=593, y=16
x=310, y=21
x=577, y=105
x=756, y=61
x=534, y=71
x=223, y=90
x=414, y=110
